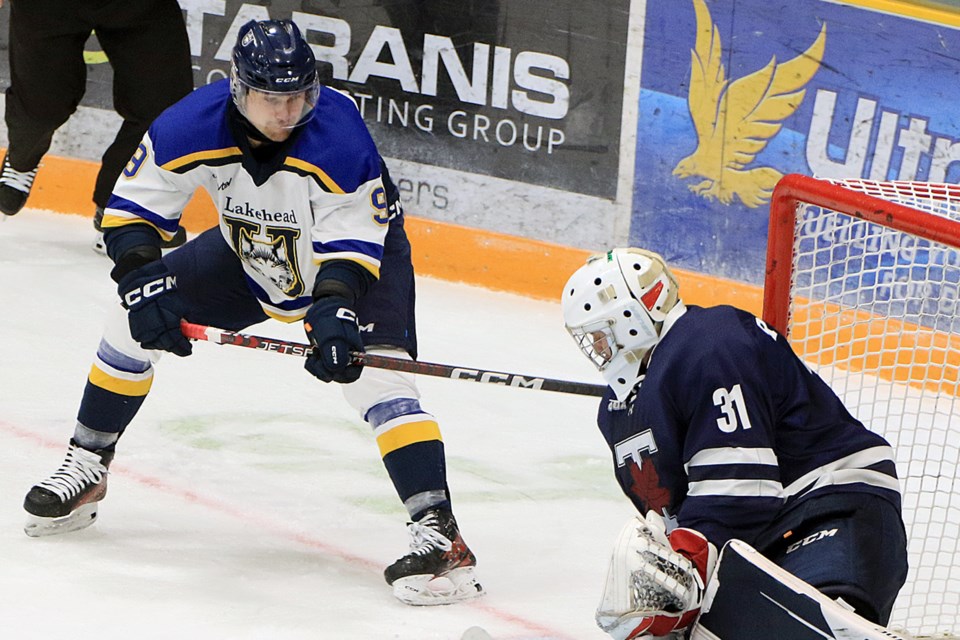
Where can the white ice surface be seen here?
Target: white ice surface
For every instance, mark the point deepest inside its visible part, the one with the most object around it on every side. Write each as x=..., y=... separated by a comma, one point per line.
x=247, y=500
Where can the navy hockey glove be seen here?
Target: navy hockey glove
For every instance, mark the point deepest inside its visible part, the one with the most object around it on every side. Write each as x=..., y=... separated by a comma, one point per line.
x=332, y=328
x=155, y=308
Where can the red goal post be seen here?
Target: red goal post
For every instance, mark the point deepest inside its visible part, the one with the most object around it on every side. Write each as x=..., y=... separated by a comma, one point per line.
x=857, y=198
x=863, y=278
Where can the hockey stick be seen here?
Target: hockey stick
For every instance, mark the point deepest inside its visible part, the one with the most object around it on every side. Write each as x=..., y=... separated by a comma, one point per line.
x=222, y=336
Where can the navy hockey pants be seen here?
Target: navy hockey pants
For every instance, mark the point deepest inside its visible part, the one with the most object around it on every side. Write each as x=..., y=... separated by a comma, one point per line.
x=211, y=282
x=851, y=546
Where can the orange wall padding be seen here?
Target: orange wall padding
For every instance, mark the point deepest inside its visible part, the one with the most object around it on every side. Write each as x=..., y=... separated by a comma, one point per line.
x=440, y=249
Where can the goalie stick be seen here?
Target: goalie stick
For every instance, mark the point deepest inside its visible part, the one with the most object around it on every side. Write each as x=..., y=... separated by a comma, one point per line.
x=222, y=336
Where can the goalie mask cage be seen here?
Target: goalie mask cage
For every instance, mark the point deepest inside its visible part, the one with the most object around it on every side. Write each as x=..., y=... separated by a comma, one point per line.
x=863, y=278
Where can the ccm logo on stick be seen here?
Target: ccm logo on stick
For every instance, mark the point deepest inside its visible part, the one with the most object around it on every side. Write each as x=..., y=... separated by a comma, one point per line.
x=150, y=289
x=497, y=378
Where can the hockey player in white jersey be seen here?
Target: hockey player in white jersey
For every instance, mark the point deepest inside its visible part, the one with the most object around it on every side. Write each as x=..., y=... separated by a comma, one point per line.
x=719, y=431
x=310, y=227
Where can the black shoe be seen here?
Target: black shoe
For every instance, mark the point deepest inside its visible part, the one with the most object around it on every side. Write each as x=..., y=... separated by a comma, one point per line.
x=14, y=187
x=179, y=238
x=67, y=500
x=439, y=568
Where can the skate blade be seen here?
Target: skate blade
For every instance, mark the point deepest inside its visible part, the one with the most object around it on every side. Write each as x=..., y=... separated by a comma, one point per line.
x=81, y=518
x=427, y=590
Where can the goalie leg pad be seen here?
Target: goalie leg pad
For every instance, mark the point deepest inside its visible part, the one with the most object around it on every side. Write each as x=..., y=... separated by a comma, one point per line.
x=780, y=605
x=425, y=590
x=849, y=546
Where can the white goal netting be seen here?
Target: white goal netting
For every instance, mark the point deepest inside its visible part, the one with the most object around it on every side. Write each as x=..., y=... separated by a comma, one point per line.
x=872, y=305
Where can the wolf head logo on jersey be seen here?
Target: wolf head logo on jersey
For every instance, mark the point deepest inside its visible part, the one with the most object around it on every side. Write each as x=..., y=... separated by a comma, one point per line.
x=270, y=261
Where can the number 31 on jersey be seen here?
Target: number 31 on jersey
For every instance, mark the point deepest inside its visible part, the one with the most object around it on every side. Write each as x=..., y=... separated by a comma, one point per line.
x=733, y=409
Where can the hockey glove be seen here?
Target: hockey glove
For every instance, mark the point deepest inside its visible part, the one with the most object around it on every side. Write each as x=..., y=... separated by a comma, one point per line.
x=332, y=328
x=155, y=309
x=655, y=583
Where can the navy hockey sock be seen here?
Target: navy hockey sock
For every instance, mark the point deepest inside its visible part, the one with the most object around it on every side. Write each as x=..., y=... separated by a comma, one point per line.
x=115, y=390
x=412, y=451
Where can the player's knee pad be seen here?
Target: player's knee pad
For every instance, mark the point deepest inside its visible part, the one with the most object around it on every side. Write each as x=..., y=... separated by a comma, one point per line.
x=116, y=337
x=401, y=422
x=121, y=365
x=377, y=386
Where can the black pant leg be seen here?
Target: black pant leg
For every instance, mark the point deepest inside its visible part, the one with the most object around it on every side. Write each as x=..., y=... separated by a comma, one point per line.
x=47, y=75
x=148, y=48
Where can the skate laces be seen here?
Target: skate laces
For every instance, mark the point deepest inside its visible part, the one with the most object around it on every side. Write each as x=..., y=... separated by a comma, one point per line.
x=19, y=180
x=425, y=537
x=80, y=469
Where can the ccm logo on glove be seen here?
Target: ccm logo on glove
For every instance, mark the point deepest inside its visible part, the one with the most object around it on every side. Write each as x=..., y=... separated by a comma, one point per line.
x=150, y=289
x=342, y=313
x=334, y=332
x=346, y=314
x=155, y=308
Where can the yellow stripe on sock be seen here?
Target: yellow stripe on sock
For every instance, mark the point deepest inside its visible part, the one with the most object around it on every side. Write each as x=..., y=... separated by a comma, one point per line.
x=137, y=388
x=407, y=434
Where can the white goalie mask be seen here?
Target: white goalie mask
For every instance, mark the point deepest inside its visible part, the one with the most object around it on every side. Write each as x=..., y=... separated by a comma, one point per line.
x=614, y=307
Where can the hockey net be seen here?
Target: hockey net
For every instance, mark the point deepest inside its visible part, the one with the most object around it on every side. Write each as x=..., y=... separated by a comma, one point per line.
x=863, y=278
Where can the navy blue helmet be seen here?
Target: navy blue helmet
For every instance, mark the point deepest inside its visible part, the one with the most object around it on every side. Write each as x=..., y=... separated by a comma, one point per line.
x=272, y=56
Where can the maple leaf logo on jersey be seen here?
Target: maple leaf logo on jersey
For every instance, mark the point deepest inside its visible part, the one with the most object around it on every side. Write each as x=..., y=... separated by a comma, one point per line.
x=734, y=121
x=646, y=486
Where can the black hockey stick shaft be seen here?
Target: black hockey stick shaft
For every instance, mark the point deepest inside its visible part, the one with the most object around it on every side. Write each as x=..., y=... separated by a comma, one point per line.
x=222, y=336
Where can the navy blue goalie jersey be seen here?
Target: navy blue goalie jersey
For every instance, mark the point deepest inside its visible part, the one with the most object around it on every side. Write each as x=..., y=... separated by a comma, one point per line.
x=729, y=428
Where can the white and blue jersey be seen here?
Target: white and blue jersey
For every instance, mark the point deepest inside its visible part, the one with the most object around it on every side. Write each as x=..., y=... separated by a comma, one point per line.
x=725, y=434
x=280, y=225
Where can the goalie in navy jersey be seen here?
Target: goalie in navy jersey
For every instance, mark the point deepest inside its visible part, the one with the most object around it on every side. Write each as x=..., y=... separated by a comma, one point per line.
x=310, y=228
x=719, y=431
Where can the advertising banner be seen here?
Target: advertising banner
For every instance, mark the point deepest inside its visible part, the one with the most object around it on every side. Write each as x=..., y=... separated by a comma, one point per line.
x=736, y=93
x=504, y=115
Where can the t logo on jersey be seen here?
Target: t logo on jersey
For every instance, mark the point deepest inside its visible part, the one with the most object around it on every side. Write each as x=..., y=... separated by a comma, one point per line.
x=644, y=480
x=633, y=446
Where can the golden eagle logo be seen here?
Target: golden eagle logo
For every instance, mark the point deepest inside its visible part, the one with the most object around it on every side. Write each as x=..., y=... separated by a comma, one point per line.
x=735, y=120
